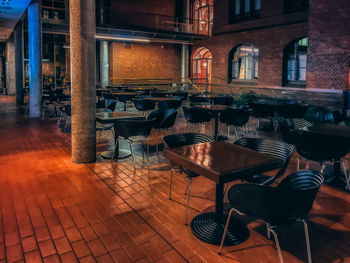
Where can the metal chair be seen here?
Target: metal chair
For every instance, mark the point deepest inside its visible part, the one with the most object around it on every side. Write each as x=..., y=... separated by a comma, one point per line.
x=144, y=105
x=236, y=118
x=196, y=116
x=133, y=131
x=106, y=103
x=290, y=201
x=222, y=100
x=169, y=104
x=179, y=140
x=276, y=149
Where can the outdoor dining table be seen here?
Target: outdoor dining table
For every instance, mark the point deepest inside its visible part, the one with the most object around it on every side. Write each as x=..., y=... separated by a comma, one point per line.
x=113, y=117
x=221, y=162
x=214, y=110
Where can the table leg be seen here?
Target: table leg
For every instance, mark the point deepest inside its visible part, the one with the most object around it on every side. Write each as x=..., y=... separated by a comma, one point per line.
x=209, y=227
x=118, y=153
x=216, y=127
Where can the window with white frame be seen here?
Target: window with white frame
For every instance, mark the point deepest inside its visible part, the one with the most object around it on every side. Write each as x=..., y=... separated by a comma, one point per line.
x=244, y=63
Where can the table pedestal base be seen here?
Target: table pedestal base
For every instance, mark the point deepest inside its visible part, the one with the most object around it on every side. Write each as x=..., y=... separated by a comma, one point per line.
x=123, y=153
x=208, y=230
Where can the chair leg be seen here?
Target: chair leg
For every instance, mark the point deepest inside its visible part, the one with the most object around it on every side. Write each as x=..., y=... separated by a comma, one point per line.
x=307, y=240
x=307, y=165
x=147, y=155
x=132, y=154
x=271, y=230
x=171, y=182
x=236, y=133
x=225, y=231
x=323, y=168
x=298, y=163
x=157, y=153
x=346, y=175
x=186, y=187
x=188, y=199
x=268, y=232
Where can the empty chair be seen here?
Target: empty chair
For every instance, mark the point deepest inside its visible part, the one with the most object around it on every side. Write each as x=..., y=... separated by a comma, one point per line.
x=288, y=125
x=222, y=100
x=169, y=104
x=198, y=99
x=107, y=96
x=290, y=201
x=107, y=103
x=279, y=150
x=292, y=110
x=236, y=118
x=144, y=105
x=179, y=140
x=196, y=115
x=321, y=148
x=133, y=131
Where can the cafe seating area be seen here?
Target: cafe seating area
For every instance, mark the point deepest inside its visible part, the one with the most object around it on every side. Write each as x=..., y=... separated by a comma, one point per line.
x=166, y=214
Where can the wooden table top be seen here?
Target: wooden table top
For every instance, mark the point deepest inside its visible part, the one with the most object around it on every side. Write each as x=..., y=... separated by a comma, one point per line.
x=212, y=107
x=124, y=93
x=108, y=117
x=159, y=98
x=221, y=161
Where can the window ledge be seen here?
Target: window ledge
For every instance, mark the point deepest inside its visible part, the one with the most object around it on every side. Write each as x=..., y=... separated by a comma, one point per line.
x=244, y=82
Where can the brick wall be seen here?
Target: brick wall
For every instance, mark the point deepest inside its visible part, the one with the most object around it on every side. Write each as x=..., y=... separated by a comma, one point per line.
x=270, y=42
x=329, y=44
x=157, y=61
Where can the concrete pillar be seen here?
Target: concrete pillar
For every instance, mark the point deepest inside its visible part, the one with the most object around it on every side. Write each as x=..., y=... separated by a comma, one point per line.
x=184, y=62
x=104, y=63
x=35, y=59
x=10, y=67
x=83, y=80
x=19, y=63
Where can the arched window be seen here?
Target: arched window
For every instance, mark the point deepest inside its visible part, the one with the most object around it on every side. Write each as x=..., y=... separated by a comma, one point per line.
x=203, y=16
x=201, y=67
x=294, y=68
x=244, y=62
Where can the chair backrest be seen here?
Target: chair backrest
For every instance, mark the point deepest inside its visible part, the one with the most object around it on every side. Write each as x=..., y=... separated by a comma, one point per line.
x=196, y=115
x=286, y=127
x=169, y=104
x=292, y=110
x=279, y=150
x=183, y=139
x=319, y=147
x=129, y=128
x=107, y=95
x=236, y=117
x=198, y=99
x=223, y=100
x=169, y=118
x=295, y=195
x=144, y=105
x=157, y=116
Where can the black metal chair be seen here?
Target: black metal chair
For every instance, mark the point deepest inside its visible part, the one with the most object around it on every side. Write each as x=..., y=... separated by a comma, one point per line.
x=133, y=131
x=107, y=103
x=236, y=118
x=290, y=201
x=222, y=100
x=196, y=99
x=68, y=114
x=107, y=96
x=144, y=105
x=322, y=149
x=276, y=149
x=169, y=104
x=196, y=116
x=179, y=140
x=292, y=110
x=287, y=126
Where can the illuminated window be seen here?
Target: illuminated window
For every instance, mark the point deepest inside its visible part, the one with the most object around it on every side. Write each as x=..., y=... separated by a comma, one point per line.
x=244, y=63
x=244, y=10
x=201, y=67
x=203, y=16
x=295, y=55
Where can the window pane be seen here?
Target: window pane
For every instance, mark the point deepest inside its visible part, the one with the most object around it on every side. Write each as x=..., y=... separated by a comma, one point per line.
x=291, y=70
x=237, y=7
x=302, y=61
x=246, y=6
x=257, y=5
